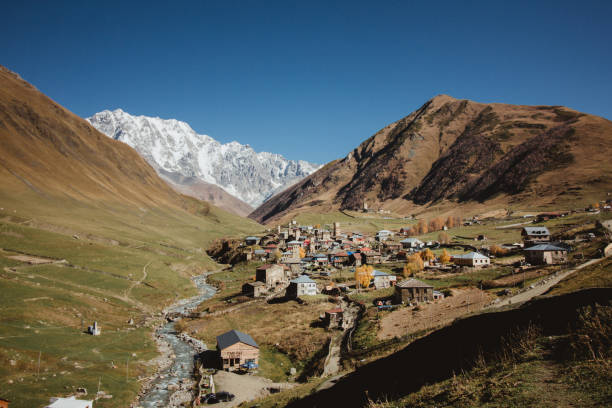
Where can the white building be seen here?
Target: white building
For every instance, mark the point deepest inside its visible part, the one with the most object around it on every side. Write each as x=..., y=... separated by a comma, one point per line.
x=302, y=285
x=94, y=330
x=473, y=259
x=70, y=402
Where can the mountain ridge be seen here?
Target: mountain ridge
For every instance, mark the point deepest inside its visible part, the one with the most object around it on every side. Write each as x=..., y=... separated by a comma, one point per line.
x=174, y=148
x=460, y=151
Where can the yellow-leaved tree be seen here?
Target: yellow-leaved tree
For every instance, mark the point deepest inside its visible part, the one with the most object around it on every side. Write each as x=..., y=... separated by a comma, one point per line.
x=302, y=252
x=445, y=257
x=363, y=275
x=277, y=256
x=427, y=255
x=414, y=265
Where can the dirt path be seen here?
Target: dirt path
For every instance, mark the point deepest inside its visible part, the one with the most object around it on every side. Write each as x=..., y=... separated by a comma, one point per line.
x=128, y=291
x=245, y=387
x=332, y=361
x=543, y=285
x=406, y=320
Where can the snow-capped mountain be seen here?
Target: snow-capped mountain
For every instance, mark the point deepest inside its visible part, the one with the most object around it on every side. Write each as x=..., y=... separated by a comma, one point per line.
x=177, y=152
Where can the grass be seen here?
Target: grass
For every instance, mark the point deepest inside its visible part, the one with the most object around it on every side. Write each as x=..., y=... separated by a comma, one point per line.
x=107, y=250
x=287, y=332
x=593, y=276
x=529, y=370
x=472, y=278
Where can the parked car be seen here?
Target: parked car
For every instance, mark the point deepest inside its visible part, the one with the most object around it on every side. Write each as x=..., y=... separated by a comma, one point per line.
x=222, y=396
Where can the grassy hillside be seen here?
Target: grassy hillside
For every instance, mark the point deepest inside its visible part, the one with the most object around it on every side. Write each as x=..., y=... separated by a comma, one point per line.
x=454, y=155
x=88, y=232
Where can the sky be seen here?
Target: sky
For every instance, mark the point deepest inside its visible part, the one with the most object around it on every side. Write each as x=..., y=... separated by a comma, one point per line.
x=307, y=79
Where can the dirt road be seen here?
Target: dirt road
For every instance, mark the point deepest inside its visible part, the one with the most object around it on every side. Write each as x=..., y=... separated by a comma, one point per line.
x=542, y=286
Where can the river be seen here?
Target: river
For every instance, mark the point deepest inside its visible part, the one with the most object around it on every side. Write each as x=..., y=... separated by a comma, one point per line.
x=182, y=367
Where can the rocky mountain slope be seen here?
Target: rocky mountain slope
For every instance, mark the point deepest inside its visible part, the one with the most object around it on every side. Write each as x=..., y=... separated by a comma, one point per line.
x=176, y=151
x=464, y=152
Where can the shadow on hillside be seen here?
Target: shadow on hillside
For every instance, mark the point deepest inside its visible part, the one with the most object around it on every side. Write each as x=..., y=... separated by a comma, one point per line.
x=451, y=349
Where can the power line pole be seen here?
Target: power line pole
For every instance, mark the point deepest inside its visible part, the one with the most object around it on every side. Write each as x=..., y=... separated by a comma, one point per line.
x=127, y=369
x=38, y=368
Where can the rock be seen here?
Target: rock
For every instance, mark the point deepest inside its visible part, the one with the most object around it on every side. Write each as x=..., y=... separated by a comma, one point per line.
x=292, y=371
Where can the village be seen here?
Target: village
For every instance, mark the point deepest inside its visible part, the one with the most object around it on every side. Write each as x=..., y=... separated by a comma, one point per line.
x=300, y=305
x=359, y=296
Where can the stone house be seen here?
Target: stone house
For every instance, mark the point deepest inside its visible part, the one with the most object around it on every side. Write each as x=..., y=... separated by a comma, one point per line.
x=272, y=275
x=333, y=318
x=545, y=254
x=300, y=286
x=382, y=280
x=355, y=259
x=413, y=290
x=235, y=349
x=254, y=289
x=472, y=259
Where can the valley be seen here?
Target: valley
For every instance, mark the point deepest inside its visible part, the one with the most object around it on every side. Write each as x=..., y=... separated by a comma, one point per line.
x=124, y=285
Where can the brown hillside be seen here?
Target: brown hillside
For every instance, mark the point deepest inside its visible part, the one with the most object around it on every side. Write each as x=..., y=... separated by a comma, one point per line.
x=465, y=152
x=49, y=150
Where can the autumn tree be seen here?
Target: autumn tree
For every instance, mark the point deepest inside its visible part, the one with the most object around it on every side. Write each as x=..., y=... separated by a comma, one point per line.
x=427, y=255
x=302, y=252
x=422, y=227
x=436, y=224
x=414, y=265
x=277, y=256
x=363, y=275
x=496, y=250
x=445, y=257
x=443, y=237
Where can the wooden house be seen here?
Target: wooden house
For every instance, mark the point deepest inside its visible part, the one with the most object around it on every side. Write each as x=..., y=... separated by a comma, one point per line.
x=413, y=290
x=535, y=235
x=372, y=257
x=355, y=259
x=235, y=349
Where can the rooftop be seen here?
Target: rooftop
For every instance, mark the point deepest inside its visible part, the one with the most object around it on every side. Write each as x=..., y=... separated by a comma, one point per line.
x=302, y=279
x=545, y=247
x=413, y=283
x=471, y=255
x=232, y=337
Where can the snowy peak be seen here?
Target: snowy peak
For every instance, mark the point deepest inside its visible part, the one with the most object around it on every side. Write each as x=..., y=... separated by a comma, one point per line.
x=173, y=147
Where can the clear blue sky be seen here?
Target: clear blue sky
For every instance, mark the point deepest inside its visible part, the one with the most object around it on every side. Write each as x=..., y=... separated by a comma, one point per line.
x=310, y=80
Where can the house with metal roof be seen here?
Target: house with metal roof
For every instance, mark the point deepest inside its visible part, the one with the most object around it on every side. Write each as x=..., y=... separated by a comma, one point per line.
x=473, y=259
x=411, y=243
x=413, y=290
x=236, y=349
x=382, y=280
x=535, y=235
x=545, y=254
x=300, y=286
